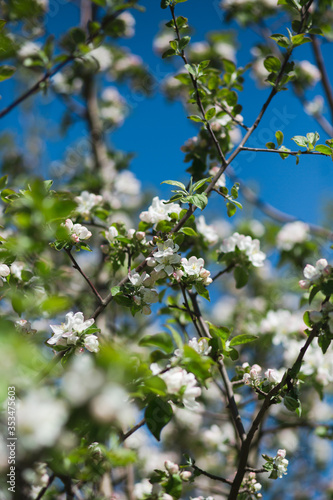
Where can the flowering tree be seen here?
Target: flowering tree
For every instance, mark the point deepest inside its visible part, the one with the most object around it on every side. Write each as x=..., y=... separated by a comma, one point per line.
x=147, y=353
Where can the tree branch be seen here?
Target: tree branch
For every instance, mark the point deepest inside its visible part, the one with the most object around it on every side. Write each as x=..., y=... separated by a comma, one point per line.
x=324, y=76
x=76, y=266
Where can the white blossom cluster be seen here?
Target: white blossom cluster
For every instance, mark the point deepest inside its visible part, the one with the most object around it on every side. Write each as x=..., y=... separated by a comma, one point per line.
x=76, y=232
x=181, y=383
x=281, y=463
x=200, y=346
x=291, y=234
x=245, y=244
x=282, y=323
x=253, y=375
x=144, y=295
x=68, y=333
x=159, y=210
x=207, y=231
x=86, y=202
x=314, y=274
x=192, y=268
x=165, y=258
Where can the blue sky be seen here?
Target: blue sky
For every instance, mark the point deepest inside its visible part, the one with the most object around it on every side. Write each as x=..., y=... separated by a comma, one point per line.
x=156, y=129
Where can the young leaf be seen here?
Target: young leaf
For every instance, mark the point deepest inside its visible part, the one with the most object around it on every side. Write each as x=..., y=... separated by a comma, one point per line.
x=161, y=340
x=279, y=137
x=272, y=63
x=243, y=339
x=175, y=183
x=158, y=414
x=210, y=114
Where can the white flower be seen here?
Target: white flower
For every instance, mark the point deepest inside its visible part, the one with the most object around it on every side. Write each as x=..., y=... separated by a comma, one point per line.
x=310, y=71
x=221, y=182
x=16, y=269
x=28, y=49
x=4, y=272
x=171, y=467
x=200, y=346
x=159, y=211
x=102, y=55
x=273, y=376
x=192, y=266
x=250, y=247
x=74, y=324
x=314, y=273
x=91, y=343
x=166, y=256
x=86, y=201
x=282, y=323
x=178, y=380
x=281, y=463
x=111, y=233
x=129, y=22
x=292, y=233
x=77, y=232
x=208, y=232
x=41, y=418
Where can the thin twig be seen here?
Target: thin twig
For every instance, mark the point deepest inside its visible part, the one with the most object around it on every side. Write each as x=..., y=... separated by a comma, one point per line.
x=133, y=429
x=211, y=476
x=293, y=153
x=76, y=266
x=44, y=490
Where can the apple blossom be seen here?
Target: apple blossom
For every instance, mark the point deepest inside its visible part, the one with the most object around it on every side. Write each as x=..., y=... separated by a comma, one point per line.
x=4, y=272
x=75, y=323
x=179, y=381
x=166, y=256
x=250, y=247
x=77, y=232
x=91, y=343
x=86, y=201
x=159, y=210
x=291, y=234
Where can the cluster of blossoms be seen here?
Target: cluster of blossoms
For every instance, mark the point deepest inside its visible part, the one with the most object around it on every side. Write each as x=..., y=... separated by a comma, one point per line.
x=315, y=274
x=325, y=315
x=291, y=234
x=113, y=106
x=86, y=202
x=165, y=258
x=282, y=323
x=15, y=269
x=144, y=296
x=76, y=232
x=193, y=270
x=208, y=232
x=181, y=383
x=252, y=375
x=200, y=346
x=281, y=463
x=173, y=468
x=246, y=244
x=71, y=333
x=158, y=211
x=252, y=485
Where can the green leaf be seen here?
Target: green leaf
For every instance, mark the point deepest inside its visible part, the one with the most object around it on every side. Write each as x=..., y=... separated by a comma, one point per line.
x=300, y=141
x=176, y=183
x=231, y=209
x=324, y=149
x=281, y=40
x=115, y=290
x=241, y=276
x=279, y=137
x=184, y=41
x=6, y=72
x=210, y=114
x=188, y=231
x=272, y=64
x=229, y=66
x=160, y=340
x=200, y=183
x=270, y=145
x=195, y=118
x=174, y=486
x=158, y=414
x=199, y=200
x=202, y=291
x=168, y=53
x=243, y=339
x=3, y=182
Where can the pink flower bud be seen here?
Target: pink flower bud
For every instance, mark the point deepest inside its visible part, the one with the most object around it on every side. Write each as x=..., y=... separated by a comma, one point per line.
x=304, y=284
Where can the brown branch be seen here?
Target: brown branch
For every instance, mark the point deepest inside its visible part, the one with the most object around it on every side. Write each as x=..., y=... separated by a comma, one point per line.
x=76, y=266
x=211, y=476
x=268, y=401
x=133, y=429
x=44, y=490
x=293, y=153
x=324, y=76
